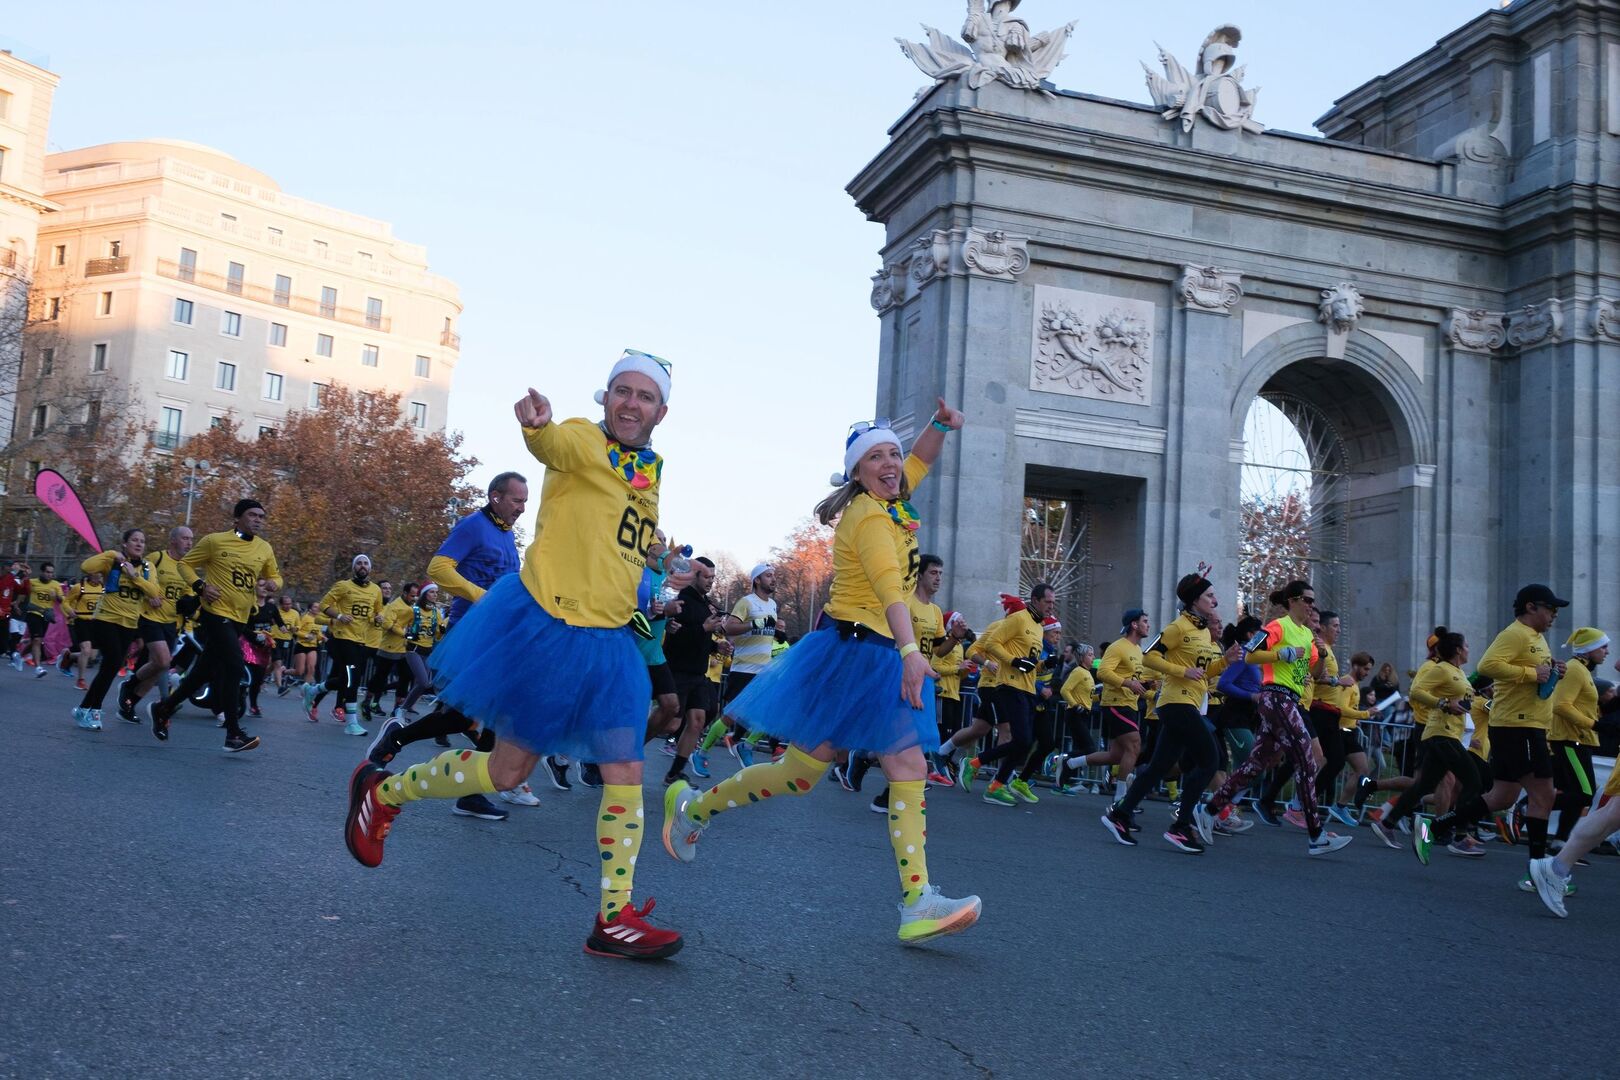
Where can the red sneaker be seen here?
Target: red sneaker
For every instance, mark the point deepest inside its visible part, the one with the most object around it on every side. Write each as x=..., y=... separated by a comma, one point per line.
x=940, y=779
x=78, y=684
x=29, y=662
x=1294, y=818
x=369, y=820
x=339, y=715
x=631, y=937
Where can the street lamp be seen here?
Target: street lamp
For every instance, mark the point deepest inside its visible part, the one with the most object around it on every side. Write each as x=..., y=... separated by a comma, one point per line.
x=191, y=490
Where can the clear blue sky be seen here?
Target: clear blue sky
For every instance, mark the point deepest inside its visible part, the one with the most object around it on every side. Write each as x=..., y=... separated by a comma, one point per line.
x=650, y=174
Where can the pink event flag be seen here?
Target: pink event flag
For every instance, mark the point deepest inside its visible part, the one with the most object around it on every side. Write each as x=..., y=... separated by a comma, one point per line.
x=55, y=492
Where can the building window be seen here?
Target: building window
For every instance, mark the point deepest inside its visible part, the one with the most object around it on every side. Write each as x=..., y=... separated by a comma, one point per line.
x=272, y=386
x=418, y=414
x=283, y=290
x=115, y=248
x=188, y=265
x=317, y=393
x=92, y=413
x=98, y=356
x=59, y=255
x=182, y=311
x=275, y=235
x=328, y=302
x=104, y=304
x=373, y=312
x=322, y=249
x=215, y=422
x=47, y=361
x=53, y=309
x=42, y=419
x=368, y=356
x=278, y=334
x=266, y=431
x=179, y=364
x=5, y=105
x=233, y=278
x=227, y=219
x=366, y=255
x=167, y=436
x=323, y=344
x=424, y=367
x=230, y=324
x=225, y=376
x=34, y=469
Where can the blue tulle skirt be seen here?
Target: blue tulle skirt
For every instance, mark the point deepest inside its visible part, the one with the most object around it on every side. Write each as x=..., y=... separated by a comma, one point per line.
x=837, y=690
x=535, y=681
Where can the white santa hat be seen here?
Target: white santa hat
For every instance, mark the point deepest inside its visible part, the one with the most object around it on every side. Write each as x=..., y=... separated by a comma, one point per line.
x=655, y=368
x=862, y=438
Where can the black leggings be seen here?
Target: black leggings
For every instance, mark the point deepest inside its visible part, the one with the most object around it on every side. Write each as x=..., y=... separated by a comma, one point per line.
x=949, y=713
x=1183, y=738
x=348, y=667
x=220, y=666
x=1016, y=709
x=1335, y=750
x=1048, y=725
x=1575, y=781
x=1443, y=755
x=113, y=641
x=385, y=671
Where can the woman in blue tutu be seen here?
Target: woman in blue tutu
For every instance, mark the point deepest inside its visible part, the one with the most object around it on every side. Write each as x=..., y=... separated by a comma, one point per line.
x=857, y=682
x=547, y=659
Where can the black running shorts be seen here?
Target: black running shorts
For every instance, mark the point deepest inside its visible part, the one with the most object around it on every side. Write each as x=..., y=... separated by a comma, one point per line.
x=1517, y=752
x=1118, y=722
x=663, y=680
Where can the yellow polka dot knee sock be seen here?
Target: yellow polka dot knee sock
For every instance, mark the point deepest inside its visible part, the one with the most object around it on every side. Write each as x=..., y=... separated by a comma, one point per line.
x=619, y=825
x=908, y=834
x=451, y=775
x=795, y=773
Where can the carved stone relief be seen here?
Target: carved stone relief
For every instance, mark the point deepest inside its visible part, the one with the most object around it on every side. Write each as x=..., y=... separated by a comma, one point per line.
x=1092, y=346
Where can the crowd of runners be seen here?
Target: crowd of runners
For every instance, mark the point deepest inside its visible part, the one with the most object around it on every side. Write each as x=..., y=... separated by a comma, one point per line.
x=605, y=637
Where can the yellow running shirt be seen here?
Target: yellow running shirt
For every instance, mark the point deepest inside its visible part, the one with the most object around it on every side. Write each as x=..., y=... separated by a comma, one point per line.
x=124, y=607
x=175, y=578
x=234, y=566
x=593, y=527
x=1511, y=661
x=875, y=559
x=359, y=602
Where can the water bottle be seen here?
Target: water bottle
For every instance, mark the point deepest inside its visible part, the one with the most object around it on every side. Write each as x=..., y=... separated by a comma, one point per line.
x=680, y=560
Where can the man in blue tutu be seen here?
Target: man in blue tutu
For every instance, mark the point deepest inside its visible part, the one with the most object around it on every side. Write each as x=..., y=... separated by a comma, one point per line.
x=547, y=660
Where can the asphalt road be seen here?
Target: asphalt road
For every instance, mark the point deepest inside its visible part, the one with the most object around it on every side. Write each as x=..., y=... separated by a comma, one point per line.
x=170, y=910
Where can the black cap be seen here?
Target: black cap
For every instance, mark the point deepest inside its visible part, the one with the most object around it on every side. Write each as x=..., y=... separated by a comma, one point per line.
x=1537, y=594
x=1131, y=616
x=245, y=505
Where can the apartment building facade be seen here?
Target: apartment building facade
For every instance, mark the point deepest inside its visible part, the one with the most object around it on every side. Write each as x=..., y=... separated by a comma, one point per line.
x=193, y=288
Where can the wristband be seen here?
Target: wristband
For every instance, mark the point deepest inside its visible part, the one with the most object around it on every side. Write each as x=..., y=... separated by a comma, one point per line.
x=937, y=426
x=907, y=649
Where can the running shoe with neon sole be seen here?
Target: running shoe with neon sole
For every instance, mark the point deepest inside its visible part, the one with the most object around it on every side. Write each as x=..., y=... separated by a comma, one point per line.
x=522, y=795
x=1506, y=830
x=933, y=914
x=681, y=833
x=1118, y=827
x=1527, y=885
x=1068, y=790
x=700, y=763
x=1184, y=838
x=1422, y=838
x=1549, y=884
x=1022, y=789
x=339, y=715
x=386, y=745
x=1327, y=843
x=1386, y=833
x=1294, y=818
x=86, y=719
x=940, y=778
x=998, y=795
x=630, y=937
x=965, y=772
x=307, y=696
x=368, y=821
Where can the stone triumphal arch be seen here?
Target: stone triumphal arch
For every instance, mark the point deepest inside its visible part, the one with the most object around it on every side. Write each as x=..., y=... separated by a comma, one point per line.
x=1107, y=287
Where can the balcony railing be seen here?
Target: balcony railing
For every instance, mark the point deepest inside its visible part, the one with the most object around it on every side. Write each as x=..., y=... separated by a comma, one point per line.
x=116, y=264
x=168, y=440
x=8, y=258
x=452, y=339
x=306, y=304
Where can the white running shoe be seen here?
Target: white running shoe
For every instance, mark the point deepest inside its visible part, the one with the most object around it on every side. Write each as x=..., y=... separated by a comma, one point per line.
x=16, y=661
x=353, y=727
x=41, y=671
x=1328, y=843
x=1204, y=822
x=86, y=719
x=1233, y=824
x=933, y=914
x=1549, y=886
x=522, y=795
x=681, y=833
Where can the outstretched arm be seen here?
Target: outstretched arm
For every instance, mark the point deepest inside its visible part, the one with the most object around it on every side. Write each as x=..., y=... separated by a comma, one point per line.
x=928, y=445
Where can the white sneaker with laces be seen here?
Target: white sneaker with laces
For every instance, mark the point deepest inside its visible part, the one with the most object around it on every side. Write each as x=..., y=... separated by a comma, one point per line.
x=522, y=795
x=681, y=833
x=1328, y=843
x=933, y=914
x=1549, y=886
x=1204, y=822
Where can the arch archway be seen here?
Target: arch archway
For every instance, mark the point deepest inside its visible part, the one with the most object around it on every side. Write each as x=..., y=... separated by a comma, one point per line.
x=1370, y=448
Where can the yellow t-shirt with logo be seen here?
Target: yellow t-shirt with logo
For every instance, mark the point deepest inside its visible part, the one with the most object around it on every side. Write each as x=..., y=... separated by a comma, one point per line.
x=1575, y=706
x=1121, y=662
x=927, y=624
x=875, y=559
x=124, y=607
x=1184, y=644
x=397, y=616
x=988, y=680
x=309, y=630
x=175, y=578
x=44, y=595
x=83, y=598
x=1440, y=681
x=1511, y=662
x=429, y=628
x=359, y=602
x=592, y=530
x=234, y=566
x=948, y=671
x=283, y=623
x=1078, y=688
x=1017, y=637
